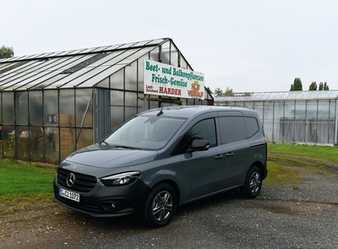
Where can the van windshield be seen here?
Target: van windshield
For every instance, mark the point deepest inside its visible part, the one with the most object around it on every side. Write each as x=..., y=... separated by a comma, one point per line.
x=145, y=132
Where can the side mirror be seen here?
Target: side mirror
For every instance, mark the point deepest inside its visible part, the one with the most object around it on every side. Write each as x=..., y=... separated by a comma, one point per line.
x=199, y=144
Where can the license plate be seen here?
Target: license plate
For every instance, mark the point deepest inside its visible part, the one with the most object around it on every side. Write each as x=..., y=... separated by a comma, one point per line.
x=69, y=195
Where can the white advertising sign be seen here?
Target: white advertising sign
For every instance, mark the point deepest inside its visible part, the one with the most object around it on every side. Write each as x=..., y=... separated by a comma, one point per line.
x=166, y=80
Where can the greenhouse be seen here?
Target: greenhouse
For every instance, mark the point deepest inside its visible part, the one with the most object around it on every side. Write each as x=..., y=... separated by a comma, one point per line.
x=55, y=103
x=293, y=117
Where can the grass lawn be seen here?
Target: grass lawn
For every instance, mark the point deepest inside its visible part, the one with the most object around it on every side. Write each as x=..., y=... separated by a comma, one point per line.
x=326, y=153
x=24, y=179
x=287, y=160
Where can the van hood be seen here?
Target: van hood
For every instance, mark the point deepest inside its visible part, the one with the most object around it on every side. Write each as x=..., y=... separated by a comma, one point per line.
x=109, y=157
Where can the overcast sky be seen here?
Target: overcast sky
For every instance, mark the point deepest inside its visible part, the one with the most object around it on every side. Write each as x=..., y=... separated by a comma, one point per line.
x=249, y=45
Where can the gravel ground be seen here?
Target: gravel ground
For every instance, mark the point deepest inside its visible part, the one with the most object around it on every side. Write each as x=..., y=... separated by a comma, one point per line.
x=301, y=216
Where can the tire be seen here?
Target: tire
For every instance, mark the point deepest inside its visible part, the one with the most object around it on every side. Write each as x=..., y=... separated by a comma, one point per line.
x=157, y=211
x=253, y=183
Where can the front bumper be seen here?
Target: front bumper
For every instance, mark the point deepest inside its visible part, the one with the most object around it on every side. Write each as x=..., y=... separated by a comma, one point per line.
x=104, y=201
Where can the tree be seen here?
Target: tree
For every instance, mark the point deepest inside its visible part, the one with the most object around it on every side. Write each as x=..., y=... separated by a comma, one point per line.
x=313, y=86
x=321, y=86
x=326, y=87
x=228, y=92
x=297, y=85
x=218, y=92
x=6, y=52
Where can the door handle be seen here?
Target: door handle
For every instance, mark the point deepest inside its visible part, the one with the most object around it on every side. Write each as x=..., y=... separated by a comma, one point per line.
x=229, y=154
x=219, y=156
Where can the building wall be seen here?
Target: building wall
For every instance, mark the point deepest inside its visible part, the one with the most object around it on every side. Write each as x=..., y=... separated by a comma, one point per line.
x=45, y=125
x=295, y=121
x=124, y=95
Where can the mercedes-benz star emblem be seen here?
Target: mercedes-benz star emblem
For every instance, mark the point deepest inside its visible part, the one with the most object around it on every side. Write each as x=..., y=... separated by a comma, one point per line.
x=70, y=179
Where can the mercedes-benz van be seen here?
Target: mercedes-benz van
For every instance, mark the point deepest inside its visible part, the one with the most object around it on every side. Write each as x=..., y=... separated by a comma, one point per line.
x=164, y=158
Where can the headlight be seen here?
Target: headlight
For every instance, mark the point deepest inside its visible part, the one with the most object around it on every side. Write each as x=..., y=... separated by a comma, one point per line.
x=120, y=179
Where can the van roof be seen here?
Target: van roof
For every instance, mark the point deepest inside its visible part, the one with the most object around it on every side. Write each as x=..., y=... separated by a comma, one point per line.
x=195, y=110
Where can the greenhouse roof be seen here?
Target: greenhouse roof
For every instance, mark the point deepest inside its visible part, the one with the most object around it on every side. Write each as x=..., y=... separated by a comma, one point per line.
x=68, y=69
x=292, y=95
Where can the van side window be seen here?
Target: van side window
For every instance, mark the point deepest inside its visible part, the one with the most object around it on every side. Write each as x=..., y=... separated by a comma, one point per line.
x=232, y=129
x=205, y=129
x=252, y=125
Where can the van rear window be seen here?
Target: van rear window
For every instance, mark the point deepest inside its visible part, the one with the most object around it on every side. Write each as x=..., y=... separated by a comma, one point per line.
x=252, y=126
x=232, y=129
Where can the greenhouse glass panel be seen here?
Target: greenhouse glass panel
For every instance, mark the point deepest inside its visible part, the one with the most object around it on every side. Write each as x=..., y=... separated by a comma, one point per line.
x=183, y=63
x=117, y=116
x=50, y=108
x=174, y=55
x=142, y=104
x=333, y=106
x=278, y=119
x=84, y=114
x=155, y=54
x=165, y=53
x=22, y=143
x=98, y=73
x=56, y=75
x=26, y=74
x=131, y=76
x=288, y=124
x=249, y=105
x=130, y=99
x=84, y=138
x=258, y=108
x=116, y=80
x=140, y=64
x=8, y=107
x=311, y=122
x=323, y=122
x=112, y=69
x=300, y=121
x=21, y=108
x=268, y=120
x=8, y=145
x=35, y=108
x=87, y=72
x=104, y=83
x=51, y=138
x=67, y=108
x=34, y=74
x=130, y=112
x=67, y=142
x=37, y=145
x=332, y=120
x=116, y=98
x=20, y=71
x=154, y=103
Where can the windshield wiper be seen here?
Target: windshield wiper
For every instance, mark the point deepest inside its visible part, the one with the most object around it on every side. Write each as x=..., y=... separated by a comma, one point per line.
x=103, y=142
x=124, y=147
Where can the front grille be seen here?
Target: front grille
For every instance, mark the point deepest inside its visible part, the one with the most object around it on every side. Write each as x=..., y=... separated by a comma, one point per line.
x=83, y=183
x=85, y=204
x=95, y=205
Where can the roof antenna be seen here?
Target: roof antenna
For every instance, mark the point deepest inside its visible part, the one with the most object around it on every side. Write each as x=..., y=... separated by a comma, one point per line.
x=160, y=112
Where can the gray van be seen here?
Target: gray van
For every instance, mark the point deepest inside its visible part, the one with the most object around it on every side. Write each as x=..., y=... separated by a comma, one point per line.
x=164, y=158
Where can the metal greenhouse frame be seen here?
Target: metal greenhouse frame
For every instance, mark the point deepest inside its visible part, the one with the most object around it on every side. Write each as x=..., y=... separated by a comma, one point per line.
x=54, y=103
x=309, y=117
